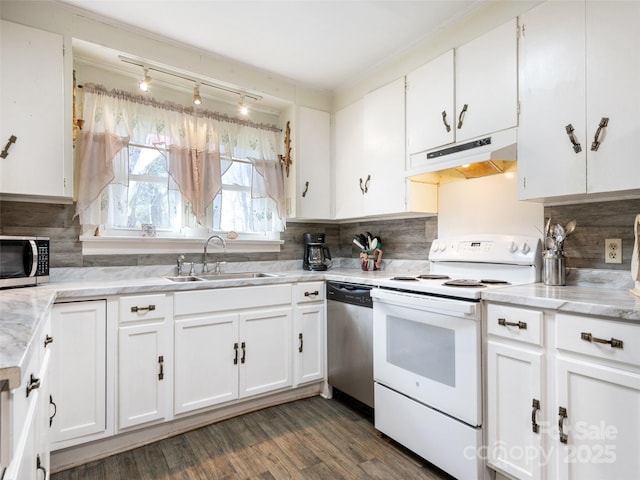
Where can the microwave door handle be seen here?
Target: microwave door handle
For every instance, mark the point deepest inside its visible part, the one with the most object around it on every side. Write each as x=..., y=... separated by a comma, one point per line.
x=34, y=258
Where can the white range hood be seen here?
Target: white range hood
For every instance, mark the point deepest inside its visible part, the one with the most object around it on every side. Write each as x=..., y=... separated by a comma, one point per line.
x=487, y=155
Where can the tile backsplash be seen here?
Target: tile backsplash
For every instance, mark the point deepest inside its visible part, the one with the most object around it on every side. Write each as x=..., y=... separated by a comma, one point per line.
x=407, y=239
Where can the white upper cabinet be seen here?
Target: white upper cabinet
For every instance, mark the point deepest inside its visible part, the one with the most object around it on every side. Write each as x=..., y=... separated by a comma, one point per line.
x=348, y=160
x=579, y=80
x=464, y=94
x=430, y=106
x=32, y=112
x=312, y=195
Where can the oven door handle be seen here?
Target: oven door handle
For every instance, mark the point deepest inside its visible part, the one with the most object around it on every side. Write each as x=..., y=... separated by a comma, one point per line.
x=454, y=307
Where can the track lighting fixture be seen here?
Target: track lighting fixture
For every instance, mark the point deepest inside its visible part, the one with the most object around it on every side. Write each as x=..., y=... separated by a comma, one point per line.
x=197, y=99
x=144, y=84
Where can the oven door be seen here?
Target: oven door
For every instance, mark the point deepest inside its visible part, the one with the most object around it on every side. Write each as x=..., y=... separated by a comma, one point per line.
x=428, y=349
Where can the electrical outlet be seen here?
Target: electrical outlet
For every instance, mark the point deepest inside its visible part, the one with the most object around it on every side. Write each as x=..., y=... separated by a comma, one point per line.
x=613, y=250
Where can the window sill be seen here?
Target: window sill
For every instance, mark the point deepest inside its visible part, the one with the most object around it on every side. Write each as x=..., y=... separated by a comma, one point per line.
x=124, y=245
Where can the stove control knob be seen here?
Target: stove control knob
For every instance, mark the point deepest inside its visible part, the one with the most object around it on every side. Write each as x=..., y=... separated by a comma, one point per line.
x=525, y=248
x=434, y=246
x=513, y=247
x=443, y=246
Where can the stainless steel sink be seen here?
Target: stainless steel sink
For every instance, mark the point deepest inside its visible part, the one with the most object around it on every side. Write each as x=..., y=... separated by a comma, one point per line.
x=207, y=277
x=182, y=279
x=230, y=276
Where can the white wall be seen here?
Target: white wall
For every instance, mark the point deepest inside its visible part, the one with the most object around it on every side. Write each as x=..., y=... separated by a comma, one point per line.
x=487, y=205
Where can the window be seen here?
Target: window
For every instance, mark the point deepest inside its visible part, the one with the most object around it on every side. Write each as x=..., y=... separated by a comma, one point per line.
x=181, y=172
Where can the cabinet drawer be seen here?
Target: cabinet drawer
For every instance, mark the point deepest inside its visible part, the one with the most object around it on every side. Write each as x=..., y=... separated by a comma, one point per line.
x=143, y=307
x=515, y=323
x=309, y=292
x=220, y=299
x=599, y=338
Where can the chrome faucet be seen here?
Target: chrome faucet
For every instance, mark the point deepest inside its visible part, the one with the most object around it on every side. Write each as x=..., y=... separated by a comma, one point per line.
x=205, y=267
x=179, y=265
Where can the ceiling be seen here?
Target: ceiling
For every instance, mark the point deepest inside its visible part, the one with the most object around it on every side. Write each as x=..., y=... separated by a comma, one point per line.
x=317, y=43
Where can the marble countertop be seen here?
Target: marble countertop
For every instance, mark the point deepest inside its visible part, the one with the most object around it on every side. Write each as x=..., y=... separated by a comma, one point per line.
x=23, y=309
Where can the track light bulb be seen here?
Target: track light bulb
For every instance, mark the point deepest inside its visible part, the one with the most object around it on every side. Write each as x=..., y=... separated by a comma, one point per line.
x=197, y=99
x=241, y=107
x=144, y=84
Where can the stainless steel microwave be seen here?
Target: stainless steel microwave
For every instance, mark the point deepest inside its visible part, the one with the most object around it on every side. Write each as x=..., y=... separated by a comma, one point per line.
x=23, y=261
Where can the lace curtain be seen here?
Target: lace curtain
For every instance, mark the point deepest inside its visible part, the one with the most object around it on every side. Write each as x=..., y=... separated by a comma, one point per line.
x=199, y=146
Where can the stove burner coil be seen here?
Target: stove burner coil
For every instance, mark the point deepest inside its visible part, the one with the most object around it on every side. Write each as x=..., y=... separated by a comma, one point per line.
x=433, y=276
x=490, y=281
x=408, y=279
x=463, y=282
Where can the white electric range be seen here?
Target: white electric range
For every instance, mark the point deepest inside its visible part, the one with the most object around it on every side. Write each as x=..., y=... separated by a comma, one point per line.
x=427, y=332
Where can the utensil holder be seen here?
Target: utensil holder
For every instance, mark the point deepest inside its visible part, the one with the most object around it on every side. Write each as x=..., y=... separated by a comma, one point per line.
x=553, y=267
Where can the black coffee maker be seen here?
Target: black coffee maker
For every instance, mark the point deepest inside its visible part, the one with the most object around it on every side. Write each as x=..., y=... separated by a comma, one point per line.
x=316, y=254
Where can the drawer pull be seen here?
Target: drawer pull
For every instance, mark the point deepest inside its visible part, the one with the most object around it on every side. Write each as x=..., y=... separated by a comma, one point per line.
x=587, y=337
x=142, y=309
x=235, y=350
x=596, y=140
x=577, y=148
x=315, y=293
x=504, y=323
x=55, y=410
x=161, y=363
x=5, y=152
x=562, y=412
x=444, y=120
x=34, y=383
x=461, y=116
x=536, y=407
x=301, y=343
x=39, y=467
x=47, y=340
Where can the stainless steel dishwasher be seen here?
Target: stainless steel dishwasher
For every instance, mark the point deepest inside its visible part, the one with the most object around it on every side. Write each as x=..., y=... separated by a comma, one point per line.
x=350, y=340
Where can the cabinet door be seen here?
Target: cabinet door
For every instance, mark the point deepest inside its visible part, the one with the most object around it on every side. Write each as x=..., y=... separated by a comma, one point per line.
x=349, y=174
x=78, y=370
x=143, y=373
x=384, y=150
x=265, y=350
x=32, y=110
x=613, y=76
x=487, y=83
x=514, y=382
x=309, y=343
x=602, y=417
x=552, y=97
x=207, y=355
x=313, y=195
x=430, y=109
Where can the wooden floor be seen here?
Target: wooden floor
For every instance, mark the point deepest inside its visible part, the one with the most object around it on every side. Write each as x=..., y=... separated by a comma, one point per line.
x=307, y=439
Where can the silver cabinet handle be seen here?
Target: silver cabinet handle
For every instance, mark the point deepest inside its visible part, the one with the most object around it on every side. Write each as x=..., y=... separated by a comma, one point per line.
x=142, y=309
x=444, y=120
x=315, y=293
x=461, y=116
x=34, y=383
x=504, y=323
x=577, y=148
x=587, y=337
x=536, y=408
x=562, y=412
x=604, y=121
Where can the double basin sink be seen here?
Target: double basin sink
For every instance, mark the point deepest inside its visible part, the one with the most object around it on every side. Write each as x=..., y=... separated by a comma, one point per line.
x=207, y=277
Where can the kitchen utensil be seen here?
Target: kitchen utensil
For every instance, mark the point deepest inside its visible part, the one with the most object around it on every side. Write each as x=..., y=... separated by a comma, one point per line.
x=568, y=230
x=550, y=243
x=374, y=243
x=547, y=228
x=358, y=244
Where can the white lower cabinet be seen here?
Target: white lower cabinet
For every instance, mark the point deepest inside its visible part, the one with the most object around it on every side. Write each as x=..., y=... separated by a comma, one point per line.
x=78, y=372
x=309, y=328
x=231, y=343
x=29, y=413
x=144, y=360
x=585, y=423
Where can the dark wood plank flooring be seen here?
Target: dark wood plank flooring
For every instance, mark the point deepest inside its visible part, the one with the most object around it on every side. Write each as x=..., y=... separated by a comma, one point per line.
x=308, y=439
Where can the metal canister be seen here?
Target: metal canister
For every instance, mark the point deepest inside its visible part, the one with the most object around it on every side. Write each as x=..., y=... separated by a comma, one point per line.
x=553, y=267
